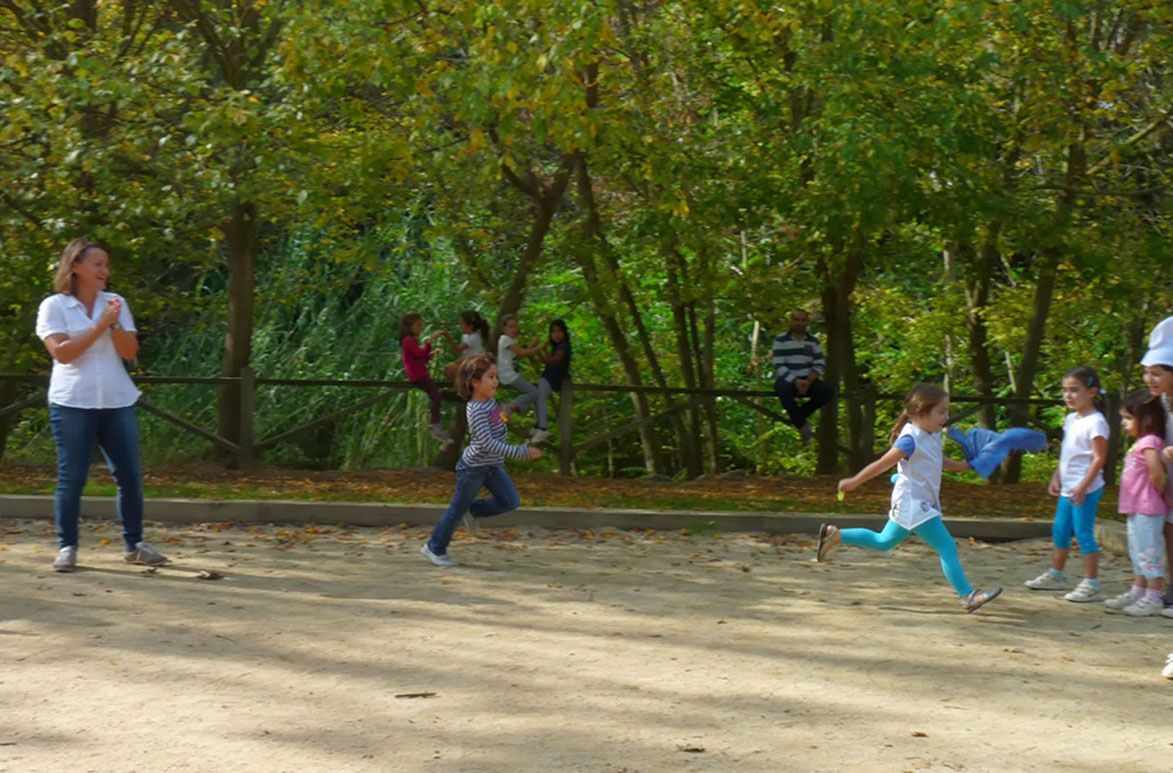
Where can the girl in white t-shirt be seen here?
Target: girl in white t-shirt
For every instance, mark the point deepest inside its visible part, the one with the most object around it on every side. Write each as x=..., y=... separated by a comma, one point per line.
x=916, y=501
x=474, y=332
x=1079, y=484
x=509, y=351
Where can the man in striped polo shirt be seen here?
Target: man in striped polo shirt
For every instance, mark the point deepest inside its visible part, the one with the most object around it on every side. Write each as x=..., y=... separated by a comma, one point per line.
x=798, y=365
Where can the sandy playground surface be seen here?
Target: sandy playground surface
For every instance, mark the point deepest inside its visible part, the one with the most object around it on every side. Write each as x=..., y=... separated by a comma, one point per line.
x=606, y=651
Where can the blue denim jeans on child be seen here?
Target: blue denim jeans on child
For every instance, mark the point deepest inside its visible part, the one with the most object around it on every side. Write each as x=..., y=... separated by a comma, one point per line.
x=469, y=482
x=115, y=430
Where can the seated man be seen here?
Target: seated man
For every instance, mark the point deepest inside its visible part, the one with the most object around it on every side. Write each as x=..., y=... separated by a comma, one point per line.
x=798, y=364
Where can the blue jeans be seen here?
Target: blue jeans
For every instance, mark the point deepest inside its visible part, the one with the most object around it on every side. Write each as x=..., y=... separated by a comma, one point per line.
x=469, y=482
x=115, y=430
x=935, y=534
x=817, y=395
x=1080, y=519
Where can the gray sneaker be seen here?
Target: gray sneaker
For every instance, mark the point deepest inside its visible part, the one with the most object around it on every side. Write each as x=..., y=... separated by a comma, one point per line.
x=66, y=560
x=979, y=598
x=144, y=554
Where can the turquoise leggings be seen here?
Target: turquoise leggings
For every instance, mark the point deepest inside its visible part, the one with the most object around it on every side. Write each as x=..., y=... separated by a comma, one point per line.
x=932, y=532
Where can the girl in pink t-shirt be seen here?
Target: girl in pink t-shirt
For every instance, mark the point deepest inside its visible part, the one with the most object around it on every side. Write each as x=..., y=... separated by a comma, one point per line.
x=415, y=363
x=1142, y=499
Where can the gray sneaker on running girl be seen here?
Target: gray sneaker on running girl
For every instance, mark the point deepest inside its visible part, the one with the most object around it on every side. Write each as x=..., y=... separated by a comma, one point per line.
x=979, y=598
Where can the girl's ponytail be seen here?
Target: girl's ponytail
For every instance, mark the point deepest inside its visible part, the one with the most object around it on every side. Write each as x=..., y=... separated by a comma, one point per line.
x=900, y=422
x=473, y=319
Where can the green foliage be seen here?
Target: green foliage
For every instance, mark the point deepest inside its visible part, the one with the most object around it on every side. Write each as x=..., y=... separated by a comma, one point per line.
x=723, y=161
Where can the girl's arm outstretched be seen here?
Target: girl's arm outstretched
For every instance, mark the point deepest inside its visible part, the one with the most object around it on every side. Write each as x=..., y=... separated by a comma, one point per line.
x=882, y=464
x=953, y=465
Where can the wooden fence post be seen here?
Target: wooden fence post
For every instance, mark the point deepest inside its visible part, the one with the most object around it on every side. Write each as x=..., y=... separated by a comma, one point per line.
x=248, y=402
x=1113, y=400
x=565, y=428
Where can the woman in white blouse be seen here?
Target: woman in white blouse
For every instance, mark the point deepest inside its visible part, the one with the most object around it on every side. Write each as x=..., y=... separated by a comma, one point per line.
x=89, y=332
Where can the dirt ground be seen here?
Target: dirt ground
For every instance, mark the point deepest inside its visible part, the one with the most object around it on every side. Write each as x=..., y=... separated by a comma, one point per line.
x=603, y=651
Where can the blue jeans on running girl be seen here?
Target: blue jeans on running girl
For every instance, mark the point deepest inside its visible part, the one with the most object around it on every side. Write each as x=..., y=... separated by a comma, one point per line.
x=115, y=431
x=933, y=532
x=469, y=482
x=1078, y=519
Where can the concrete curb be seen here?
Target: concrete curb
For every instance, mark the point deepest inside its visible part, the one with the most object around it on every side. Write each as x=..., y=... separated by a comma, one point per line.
x=390, y=514
x=1113, y=536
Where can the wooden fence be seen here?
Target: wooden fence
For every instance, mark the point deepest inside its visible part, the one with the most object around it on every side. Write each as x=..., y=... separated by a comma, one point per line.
x=248, y=447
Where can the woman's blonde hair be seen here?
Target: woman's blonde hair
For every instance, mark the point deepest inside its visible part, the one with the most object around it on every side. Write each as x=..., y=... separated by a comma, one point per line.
x=921, y=399
x=65, y=281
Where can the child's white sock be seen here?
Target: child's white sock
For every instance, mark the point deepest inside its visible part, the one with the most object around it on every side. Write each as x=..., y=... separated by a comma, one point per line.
x=1154, y=595
x=1138, y=591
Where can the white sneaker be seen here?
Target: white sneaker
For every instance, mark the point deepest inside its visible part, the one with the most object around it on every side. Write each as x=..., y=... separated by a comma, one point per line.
x=472, y=525
x=66, y=560
x=1168, y=670
x=1125, y=599
x=1084, y=592
x=1167, y=612
x=1143, y=607
x=539, y=435
x=1047, y=581
x=444, y=561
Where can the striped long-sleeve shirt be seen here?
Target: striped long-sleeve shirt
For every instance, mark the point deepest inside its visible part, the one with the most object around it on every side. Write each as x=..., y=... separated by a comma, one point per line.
x=487, y=446
x=794, y=358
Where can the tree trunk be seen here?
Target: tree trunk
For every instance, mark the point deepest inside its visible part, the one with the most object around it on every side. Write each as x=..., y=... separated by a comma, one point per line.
x=595, y=230
x=240, y=236
x=8, y=393
x=708, y=380
x=546, y=200
x=1048, y=271
x=977, y=299
x=688, y=450
x=838, y=286
x=653, y=459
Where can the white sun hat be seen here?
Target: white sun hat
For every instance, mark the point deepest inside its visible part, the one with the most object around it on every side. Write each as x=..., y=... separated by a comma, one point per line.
x=1160, y=344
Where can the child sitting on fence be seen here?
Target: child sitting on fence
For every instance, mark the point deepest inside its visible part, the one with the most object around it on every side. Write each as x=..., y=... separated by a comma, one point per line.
x=415, y=363
x=508, y=352
x=474, y=332
x=557, y=359
x=482, y=465
x=916, y=509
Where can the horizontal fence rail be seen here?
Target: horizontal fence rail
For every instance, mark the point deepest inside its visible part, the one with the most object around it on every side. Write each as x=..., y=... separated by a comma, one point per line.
x=247, y=447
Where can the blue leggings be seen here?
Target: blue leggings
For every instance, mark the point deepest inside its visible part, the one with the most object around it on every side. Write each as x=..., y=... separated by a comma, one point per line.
x=1080, y=519
x=935, y=535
